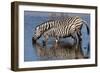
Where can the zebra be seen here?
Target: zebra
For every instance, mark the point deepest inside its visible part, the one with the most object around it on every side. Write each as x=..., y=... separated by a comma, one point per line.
x=67, y=26
x=40, y=29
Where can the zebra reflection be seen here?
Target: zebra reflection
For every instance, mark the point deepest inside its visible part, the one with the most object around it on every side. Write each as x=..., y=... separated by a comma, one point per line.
x=58, y=51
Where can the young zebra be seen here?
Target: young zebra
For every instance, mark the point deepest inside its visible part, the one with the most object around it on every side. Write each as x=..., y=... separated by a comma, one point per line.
x=72, y=24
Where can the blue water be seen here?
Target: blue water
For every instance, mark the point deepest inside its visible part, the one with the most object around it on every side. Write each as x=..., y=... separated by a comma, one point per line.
x=32, y=19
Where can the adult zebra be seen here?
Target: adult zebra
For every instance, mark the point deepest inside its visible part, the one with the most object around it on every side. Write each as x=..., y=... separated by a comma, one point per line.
x=67, y=27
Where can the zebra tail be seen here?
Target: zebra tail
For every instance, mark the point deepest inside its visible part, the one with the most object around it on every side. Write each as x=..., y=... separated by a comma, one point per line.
x=88, y=31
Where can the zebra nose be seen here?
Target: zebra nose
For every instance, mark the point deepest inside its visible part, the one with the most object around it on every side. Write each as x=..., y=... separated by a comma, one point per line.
x=33, y=40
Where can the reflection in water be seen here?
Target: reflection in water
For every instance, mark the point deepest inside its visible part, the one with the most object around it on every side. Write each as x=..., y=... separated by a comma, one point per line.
x=58, y=51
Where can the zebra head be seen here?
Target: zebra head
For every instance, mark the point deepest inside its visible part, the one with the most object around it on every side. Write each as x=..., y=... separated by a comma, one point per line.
x=37, y=33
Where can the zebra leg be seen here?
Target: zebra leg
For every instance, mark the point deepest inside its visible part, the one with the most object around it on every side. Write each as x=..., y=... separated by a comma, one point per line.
x=80, y=39
x=79, y=35
x=45, y=40
x=75, y=37
x=80, y=44
x=77, y=46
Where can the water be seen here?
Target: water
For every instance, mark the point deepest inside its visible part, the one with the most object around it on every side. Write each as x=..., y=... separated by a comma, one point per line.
x=32, y=52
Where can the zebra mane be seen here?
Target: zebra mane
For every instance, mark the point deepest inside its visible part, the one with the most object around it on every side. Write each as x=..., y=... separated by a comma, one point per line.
x=43, y=23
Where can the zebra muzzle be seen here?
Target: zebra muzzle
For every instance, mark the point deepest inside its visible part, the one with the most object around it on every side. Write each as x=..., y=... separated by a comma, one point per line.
x=33, y=40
